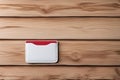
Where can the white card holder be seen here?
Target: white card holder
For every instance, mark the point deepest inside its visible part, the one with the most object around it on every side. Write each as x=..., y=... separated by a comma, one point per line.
x=37, y=51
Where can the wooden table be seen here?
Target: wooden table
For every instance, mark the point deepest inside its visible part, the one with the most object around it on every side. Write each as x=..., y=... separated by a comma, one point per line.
x=88, y=32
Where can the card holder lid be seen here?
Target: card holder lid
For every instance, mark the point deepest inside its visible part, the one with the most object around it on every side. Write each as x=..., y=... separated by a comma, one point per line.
x=41, y=42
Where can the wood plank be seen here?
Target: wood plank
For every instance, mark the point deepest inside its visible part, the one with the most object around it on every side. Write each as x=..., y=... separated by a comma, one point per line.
x=59, y=73
x=71, y=53
x=59, y=28
x=43, y=8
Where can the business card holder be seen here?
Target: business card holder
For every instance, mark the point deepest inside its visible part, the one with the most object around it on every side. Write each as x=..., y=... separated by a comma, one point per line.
x=41, y=51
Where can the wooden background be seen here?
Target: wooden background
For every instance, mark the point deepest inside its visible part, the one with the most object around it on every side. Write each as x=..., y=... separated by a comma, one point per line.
x=88, y=32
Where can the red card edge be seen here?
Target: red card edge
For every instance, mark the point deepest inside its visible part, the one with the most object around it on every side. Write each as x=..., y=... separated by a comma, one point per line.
x=41, y=42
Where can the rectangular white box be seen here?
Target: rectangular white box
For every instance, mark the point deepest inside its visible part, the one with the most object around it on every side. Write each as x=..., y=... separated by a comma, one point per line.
x=41, y=51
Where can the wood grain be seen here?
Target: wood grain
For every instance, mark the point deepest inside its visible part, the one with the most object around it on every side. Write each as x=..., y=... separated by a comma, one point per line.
x=70, y=53
x=41, y=8
x=59, y=28
x=59, y=73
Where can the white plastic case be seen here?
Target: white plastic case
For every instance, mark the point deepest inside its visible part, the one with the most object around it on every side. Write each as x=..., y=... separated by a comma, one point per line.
x=39, y=51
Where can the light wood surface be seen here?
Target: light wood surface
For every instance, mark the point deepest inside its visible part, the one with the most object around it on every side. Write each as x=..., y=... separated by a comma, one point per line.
x=42, y=8
x=59, y=73
x=88, y=32
x=70, y=53
x=59, y=28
